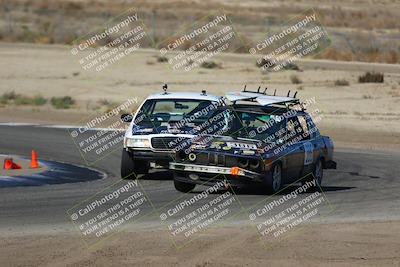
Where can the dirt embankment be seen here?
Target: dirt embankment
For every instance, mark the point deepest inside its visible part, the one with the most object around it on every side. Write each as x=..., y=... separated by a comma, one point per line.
x=356, y=244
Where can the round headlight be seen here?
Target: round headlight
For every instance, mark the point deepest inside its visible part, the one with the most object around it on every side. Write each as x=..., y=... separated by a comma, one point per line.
x=192, y=157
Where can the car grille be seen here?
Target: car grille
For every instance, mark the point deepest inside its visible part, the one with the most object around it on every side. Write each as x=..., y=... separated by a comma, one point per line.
x=167, y=143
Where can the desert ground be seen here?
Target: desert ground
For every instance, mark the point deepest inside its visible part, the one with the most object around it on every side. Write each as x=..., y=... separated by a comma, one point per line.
x=358, y=115
x=363, y=120
x=346, y=244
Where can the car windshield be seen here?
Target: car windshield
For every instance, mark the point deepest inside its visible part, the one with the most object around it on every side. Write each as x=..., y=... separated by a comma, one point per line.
x=155, y=111
x=251, y=125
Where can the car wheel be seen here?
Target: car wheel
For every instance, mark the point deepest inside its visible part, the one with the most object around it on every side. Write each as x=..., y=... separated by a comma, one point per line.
x=275, y=182
x=183, y=187
x=130, y=167
x=318, y=173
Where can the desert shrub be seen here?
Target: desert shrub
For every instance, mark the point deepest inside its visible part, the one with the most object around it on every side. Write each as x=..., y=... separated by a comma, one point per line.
x=209, y=65
x=291, y=66
x=264, y=62
x=22, y=100
x=3, y=101
x=19, y=99
x=104, y=102
x=371, y=77
x=64, y=102
x=295, y=80
x=39, y=100
x=341, y=82
x=9, y=96
x=162, y=59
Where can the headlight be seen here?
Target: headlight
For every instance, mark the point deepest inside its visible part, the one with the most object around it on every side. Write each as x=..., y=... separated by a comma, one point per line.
x=137, y=142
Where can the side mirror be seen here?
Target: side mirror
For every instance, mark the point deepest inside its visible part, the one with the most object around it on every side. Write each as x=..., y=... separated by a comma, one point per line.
x=126, y=117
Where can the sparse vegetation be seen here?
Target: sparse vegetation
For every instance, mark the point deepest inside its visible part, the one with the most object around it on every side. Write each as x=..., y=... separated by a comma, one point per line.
x=371, y=77
x=264, y=63
x=18, y=99
x=291, y=66
x=104, y=102
x=342, y=82
x=210, y=65
x=294, y=79
x=162, y=59
x=64, y=102
x=40, y=22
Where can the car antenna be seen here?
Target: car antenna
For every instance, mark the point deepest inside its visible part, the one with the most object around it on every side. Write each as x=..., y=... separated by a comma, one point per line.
x=265, y=91
x=203, y=92
x=275, y=92
x=165, y=87
x=288, y=93
x=244, y=89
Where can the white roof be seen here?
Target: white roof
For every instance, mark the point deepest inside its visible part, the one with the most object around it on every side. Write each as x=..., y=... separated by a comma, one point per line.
x=260, y=98
x=185, y=95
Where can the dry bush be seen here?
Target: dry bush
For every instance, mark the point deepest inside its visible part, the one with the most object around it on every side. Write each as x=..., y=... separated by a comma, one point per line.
x=341, y=82
x=210, y=65
x=295, y=80
x=162, y=59
x=264, y=63
x=371, y=77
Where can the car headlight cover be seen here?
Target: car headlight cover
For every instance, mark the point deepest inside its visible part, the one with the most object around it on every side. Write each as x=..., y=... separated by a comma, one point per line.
x=138, y=142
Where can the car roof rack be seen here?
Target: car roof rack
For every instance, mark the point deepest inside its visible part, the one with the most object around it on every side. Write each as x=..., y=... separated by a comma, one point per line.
x=264, y=99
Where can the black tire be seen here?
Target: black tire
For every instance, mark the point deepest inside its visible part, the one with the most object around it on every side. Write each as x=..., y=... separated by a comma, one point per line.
x=130, y=167
x=274, y=182
x=183, y=187
x=316, y=174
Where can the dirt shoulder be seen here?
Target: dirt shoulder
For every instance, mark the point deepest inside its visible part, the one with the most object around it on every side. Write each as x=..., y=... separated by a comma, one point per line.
x=347, y=244
x=357, y=115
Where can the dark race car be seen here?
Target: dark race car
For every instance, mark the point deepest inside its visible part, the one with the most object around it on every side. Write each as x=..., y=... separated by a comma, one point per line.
x=268, y=144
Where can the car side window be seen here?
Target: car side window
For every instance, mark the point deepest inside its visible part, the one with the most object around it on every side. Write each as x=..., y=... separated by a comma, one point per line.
x=313, y=129
x=291, y=126
x=303, y=128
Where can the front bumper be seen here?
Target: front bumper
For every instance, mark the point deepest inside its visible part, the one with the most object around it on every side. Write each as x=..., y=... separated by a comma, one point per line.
x=208, y=175
x=155, y=159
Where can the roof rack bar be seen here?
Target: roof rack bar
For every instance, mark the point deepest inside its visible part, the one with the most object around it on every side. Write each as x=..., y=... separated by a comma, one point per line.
x=165, y=87
x=265, y=91
x=288, y=93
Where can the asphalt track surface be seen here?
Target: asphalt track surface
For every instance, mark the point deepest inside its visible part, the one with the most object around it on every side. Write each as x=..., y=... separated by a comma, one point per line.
x=366, y=185
x=55, y=173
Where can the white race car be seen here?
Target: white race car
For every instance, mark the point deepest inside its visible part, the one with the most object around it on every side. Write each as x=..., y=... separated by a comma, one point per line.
x=163, y=124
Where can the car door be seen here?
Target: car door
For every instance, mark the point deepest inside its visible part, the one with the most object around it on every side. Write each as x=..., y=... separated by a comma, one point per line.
x=308, y=146
x=294, y=154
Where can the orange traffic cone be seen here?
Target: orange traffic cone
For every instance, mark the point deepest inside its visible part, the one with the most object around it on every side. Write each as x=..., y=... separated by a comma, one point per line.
x=10, y=165
x=34, y=162
x=15, y=166
x=7, y=164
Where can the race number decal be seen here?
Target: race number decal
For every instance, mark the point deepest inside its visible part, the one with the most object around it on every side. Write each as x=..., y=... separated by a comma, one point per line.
x=308, y=153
